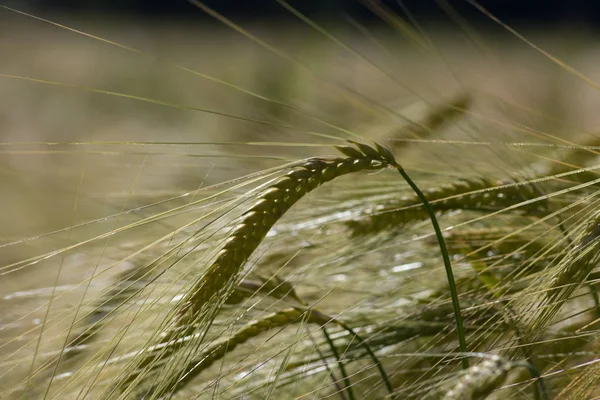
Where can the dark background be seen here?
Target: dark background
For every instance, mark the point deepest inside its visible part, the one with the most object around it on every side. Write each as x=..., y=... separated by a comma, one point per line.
x=511, y=11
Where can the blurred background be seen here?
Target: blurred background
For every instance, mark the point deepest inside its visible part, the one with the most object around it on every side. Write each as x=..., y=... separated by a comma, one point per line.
x=510, y=11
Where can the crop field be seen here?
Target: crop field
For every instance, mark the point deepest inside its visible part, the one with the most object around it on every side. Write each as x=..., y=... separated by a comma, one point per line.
x=302, y=208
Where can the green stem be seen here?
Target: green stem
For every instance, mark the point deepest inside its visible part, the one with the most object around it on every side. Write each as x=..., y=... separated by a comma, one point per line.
x=367, y=348
x=453, y=292
x=540, y=392
x=347, y=382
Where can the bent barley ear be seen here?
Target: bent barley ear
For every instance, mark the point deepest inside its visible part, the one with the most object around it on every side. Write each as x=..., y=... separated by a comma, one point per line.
x=434, y=120
x=210, y=290
x=272, y=204
x=473, y=194
x=457, y=107
x=217, y=351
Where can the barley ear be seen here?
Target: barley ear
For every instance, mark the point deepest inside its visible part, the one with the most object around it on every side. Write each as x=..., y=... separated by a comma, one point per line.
x=210, y=290
x=474, y=194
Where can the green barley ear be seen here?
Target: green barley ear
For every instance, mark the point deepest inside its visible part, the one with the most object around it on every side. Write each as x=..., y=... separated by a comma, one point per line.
x=434, y=120
x=211, y=289
x=441, y=115
x=271, y=205
x=473, y=194
x=217, y=351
